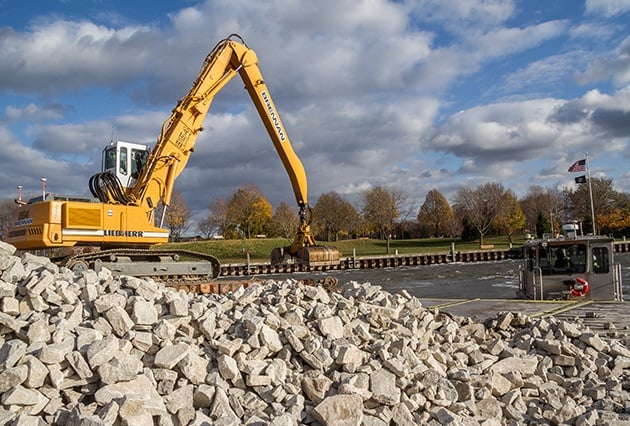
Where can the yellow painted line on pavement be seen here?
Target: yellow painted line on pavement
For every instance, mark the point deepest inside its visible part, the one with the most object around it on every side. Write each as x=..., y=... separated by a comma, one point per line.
x=567, y=306
x=459, y=302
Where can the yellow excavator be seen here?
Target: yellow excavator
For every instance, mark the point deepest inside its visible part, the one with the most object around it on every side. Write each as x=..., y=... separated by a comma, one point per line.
x=120, y=218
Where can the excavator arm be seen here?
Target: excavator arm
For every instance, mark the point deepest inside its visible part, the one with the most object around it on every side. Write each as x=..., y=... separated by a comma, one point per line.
x=179, y=133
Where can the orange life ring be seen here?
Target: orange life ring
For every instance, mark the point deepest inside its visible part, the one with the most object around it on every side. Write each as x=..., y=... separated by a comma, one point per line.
x=580, y=287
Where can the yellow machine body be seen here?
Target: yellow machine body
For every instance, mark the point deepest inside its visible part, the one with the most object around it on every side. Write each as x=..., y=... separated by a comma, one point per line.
x=59, y=223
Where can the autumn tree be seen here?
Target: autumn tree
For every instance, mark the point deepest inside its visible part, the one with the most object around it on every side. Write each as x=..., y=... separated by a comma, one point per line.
x=249, y=210
x=454, y=226
x=217, y=220
x=481, y=205
x=435, y=213
x=468, y=230
x=542, y=201
x=381, y=208
x=543, y=225
x=333, y=214
x=177, y=217
x=7, y=210
x=205, y=228
x=356, y=223
x=284, y=222
x=407, y=228
x=615, y=222
x=459, y=225
x=605, y=200
x=510, y=218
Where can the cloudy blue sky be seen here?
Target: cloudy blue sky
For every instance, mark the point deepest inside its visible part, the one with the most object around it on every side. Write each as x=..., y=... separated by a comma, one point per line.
x=416, y=94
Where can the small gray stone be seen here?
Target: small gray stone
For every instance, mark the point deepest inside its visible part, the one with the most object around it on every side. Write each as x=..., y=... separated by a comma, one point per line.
x=203, y=396
x=12, y=274
x=79, y=364
x=6, y=248
x=220, y=407
x=11, y=377
x=270, y=338
x=331, y=327
x=140, y=390
x=383, y=387
x=121, y=367
x=227, y=367
x=340, y=410
x=37, y=372
x=144, y=312
x=119, y=320
x=524, y=365
x=101, y=351
x=169, y=356
x=56, y=352
x=179, y=399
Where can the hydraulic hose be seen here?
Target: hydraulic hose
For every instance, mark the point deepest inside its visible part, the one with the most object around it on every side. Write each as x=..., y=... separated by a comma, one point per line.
x=107, y=187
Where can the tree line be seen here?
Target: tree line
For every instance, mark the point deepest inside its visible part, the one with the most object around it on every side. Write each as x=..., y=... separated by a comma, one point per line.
x=473, y=214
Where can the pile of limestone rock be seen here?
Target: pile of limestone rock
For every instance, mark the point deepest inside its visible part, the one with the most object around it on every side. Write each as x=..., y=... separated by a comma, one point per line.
x=95, y=349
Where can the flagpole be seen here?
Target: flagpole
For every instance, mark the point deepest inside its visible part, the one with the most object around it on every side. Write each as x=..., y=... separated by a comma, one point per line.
x=590, y=192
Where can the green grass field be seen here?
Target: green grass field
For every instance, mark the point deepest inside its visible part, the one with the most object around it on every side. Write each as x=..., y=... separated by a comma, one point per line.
x=235, y=251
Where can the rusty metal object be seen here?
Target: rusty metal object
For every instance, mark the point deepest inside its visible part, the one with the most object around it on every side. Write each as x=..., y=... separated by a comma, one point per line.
x=318, y=256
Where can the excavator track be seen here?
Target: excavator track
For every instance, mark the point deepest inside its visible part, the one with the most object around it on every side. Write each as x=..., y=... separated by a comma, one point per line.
x=197, y=276
x=182, y=269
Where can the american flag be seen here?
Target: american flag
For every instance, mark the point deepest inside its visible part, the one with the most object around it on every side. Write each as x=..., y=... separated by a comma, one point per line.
x=578, y=166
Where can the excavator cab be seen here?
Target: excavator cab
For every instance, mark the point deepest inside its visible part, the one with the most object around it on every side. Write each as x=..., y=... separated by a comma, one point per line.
x=125, y=161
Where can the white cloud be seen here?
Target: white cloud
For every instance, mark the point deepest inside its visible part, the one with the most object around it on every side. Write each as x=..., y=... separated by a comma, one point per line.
x=503, y=131
x=33, y=112
x=362, y=88
x=592, y=30
x=544, y=75
x=58, y=55
x=504, y=140
x=614, y=64
x=607, y=8
x=504, y=41
x=22, y=165
x=457, y=15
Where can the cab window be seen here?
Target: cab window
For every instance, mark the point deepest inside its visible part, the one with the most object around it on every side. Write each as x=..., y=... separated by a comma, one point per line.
x=110, y=158
x=563, y=259
x=600, y=260
x=123, y=161
x=138, y=158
